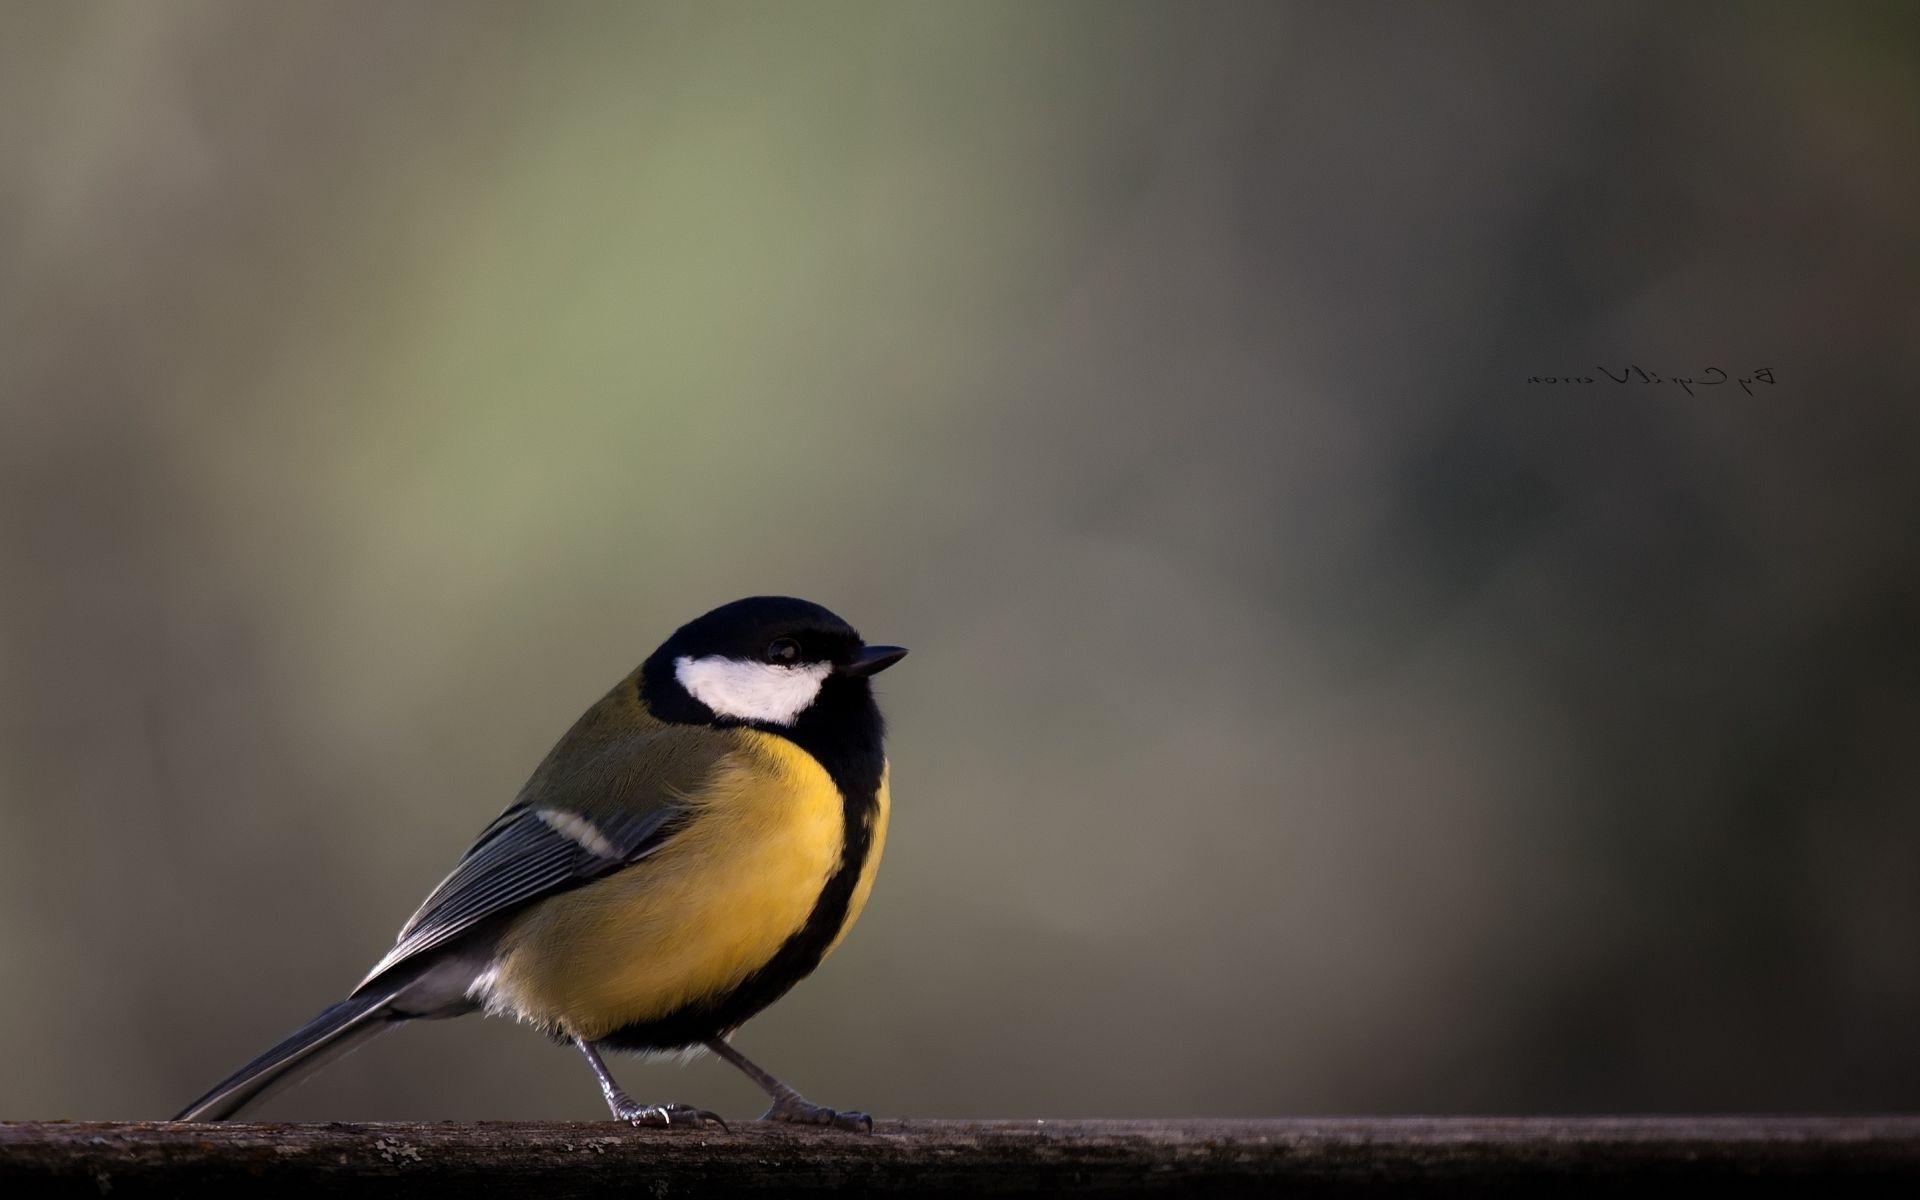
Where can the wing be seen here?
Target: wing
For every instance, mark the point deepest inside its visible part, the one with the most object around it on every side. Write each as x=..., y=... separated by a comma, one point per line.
x=589, y=810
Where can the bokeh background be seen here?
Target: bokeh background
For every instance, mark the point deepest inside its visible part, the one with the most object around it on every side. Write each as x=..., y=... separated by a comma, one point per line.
x=1307, y=714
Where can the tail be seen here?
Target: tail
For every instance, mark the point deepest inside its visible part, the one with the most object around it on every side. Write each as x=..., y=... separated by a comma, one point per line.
x=321, y=1040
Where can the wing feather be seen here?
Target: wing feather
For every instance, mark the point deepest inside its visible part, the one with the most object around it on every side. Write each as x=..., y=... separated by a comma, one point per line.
x=612, y=805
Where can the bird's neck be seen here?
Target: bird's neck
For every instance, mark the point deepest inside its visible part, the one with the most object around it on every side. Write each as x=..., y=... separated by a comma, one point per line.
x=844, y=732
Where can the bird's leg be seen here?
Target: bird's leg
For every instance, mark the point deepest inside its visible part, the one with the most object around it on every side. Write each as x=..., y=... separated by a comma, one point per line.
x=789, y=1105
x=656, y=1116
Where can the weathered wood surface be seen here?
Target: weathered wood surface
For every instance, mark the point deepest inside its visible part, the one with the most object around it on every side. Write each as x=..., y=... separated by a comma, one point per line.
x=1822, y=1156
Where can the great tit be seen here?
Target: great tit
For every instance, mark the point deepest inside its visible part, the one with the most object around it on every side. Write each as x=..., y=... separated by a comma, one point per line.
x=692, y=848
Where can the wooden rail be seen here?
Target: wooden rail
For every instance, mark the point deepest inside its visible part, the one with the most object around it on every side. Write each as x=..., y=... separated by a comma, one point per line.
x=1554, y=1156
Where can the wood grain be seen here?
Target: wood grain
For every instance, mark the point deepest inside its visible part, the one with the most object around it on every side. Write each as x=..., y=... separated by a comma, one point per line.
x=1301, y=1157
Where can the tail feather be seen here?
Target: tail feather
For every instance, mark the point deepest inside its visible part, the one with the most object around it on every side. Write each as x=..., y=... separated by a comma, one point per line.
x=328, y=1036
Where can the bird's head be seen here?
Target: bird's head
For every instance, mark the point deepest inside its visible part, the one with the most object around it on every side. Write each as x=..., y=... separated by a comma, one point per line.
x=764, y=660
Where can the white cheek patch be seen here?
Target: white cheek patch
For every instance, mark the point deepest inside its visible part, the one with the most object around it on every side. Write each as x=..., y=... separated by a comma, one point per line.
x=751, y=691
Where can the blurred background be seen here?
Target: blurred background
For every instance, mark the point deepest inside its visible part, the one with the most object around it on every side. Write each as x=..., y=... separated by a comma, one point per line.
x=1308, y=714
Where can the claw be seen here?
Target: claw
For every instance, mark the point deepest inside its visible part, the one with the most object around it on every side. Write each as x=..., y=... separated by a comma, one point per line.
x=667, y=1116
x=802, y=1112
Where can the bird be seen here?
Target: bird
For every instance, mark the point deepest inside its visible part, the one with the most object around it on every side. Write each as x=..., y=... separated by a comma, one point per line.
x=695, y=845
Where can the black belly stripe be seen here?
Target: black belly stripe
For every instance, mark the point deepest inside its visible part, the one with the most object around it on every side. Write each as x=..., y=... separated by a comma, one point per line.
x=844, y=733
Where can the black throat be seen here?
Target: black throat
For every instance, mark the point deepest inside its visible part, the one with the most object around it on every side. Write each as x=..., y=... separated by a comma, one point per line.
x=844, y=732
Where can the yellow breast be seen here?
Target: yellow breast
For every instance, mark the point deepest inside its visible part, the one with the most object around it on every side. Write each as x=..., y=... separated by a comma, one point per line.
x=696, y=917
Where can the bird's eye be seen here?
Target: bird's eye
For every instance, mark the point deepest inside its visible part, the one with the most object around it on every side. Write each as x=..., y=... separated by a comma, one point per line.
x=783, y=650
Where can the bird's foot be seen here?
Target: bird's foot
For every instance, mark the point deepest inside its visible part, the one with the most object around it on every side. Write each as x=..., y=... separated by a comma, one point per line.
x=665, y=1116
x=796, y=1111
